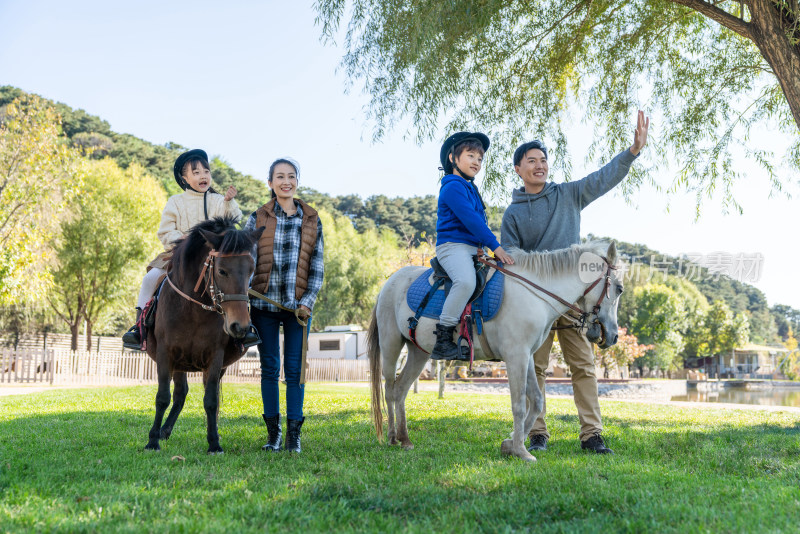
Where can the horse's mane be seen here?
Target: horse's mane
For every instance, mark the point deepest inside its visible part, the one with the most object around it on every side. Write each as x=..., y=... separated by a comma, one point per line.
x=193, y=244
x=551, y=263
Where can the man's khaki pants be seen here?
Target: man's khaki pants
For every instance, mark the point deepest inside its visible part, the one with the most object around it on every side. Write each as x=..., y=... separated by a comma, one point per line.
x=579, y=356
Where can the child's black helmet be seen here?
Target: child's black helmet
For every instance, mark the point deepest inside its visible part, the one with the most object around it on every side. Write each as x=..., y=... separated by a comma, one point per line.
x=185, y=158
x=458, y=137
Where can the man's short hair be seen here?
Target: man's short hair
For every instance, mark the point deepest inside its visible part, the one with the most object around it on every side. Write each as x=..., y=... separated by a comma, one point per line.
x=520, y=152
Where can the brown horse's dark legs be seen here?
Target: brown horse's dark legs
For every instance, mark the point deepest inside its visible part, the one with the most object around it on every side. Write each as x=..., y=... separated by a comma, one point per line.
x=211, y=404
x=162, y=402
x=178, y=399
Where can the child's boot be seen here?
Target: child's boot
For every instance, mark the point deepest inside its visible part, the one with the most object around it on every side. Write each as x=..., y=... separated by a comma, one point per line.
x=445, y=348
x=251, y=338
x=132, y=339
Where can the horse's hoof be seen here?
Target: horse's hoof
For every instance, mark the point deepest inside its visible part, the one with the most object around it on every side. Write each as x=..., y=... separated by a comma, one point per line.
x=152, y=447
x=393, y=441
x=408, y=445
x=507, y=449
x=165, y=434
x=217, y=450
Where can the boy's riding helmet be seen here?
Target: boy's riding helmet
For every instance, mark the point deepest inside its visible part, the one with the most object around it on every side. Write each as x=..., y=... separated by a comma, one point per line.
x=182, y=160
x=450, y=143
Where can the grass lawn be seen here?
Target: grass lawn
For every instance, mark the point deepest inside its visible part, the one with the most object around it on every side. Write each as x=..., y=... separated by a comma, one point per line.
x=72, y=461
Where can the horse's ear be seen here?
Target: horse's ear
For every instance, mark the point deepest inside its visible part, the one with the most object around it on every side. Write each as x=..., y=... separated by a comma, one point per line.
x=257, y=232
x=612, y=253
x=215, y=240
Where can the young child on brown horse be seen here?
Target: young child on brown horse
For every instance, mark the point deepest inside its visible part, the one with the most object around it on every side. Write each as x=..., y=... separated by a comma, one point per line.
x=198, y=202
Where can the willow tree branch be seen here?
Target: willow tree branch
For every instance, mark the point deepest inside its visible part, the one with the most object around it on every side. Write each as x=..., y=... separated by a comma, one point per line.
x=716, y=14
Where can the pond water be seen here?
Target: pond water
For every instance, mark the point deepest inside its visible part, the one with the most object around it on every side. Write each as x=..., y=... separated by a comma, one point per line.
x=765, y=397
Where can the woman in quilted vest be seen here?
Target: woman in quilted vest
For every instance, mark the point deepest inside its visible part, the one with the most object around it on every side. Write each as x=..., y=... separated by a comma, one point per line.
x=289, y=270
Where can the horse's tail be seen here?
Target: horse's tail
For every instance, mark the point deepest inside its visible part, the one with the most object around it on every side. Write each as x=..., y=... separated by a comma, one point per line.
x=375, y=372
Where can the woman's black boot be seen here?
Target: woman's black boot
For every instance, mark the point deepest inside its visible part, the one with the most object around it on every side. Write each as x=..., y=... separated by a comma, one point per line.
x=132, y=339
x=274, y=439
x=293, y=434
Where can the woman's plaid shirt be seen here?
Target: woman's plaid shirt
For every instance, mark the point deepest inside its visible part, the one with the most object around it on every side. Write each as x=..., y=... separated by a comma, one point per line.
x=286, y=251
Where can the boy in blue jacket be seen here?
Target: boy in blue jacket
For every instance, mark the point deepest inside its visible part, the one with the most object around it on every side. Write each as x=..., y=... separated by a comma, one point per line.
x=461, y=228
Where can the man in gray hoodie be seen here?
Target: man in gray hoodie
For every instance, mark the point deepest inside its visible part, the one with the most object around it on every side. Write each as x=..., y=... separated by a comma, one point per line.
x=547, y=216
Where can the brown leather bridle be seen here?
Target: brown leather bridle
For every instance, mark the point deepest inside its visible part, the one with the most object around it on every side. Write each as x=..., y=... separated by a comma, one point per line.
x=207, y=275
x=581, y=321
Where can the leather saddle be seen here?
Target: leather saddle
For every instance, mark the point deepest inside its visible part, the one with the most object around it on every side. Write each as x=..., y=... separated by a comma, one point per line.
x=481, y=273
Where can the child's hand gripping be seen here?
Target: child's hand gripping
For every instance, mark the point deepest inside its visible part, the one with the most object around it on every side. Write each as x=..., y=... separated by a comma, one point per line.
x=503, y=256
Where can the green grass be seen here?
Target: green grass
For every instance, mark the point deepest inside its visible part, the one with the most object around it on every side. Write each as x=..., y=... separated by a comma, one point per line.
x=72, y=461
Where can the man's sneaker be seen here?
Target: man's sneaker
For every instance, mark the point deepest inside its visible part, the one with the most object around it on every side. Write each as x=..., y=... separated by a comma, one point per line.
x=595, y=444
x=538, y=443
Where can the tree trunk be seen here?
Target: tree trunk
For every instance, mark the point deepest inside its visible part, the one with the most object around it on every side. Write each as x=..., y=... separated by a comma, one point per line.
x=88, y=335
x=74, y=330
x=769, y=35
x=442, y=368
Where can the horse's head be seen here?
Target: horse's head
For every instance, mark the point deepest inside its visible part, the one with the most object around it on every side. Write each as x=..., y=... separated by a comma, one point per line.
x=227, y=277
x=604, y=286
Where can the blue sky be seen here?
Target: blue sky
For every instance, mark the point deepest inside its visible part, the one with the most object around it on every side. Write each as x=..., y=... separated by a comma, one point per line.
x=250, y=81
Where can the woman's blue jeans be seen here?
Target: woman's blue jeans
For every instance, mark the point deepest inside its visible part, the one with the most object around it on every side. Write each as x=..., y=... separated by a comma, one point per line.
x=268, y=325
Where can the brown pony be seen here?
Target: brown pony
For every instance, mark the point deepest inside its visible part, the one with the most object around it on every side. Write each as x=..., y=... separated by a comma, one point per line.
x=203, y=313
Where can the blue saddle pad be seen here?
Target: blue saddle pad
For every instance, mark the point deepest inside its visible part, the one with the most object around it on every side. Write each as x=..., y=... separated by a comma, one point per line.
x=486, y=305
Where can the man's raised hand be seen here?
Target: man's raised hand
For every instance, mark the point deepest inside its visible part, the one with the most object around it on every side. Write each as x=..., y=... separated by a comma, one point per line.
x=640, y=134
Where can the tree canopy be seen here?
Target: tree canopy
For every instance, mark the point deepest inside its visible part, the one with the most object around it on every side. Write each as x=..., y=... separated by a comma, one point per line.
x=706, y=70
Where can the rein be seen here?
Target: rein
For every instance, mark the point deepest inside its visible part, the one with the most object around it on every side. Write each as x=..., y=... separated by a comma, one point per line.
x=581, y=321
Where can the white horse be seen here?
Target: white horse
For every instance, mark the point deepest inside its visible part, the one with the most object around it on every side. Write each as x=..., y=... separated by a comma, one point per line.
x=583, y=274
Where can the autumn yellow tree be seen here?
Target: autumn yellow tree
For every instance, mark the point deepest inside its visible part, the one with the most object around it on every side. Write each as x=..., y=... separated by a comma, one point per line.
x=36, y=179
x=623, y=353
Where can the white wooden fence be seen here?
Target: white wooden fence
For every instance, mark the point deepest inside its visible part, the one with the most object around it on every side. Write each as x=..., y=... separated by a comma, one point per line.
x=63, y=367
